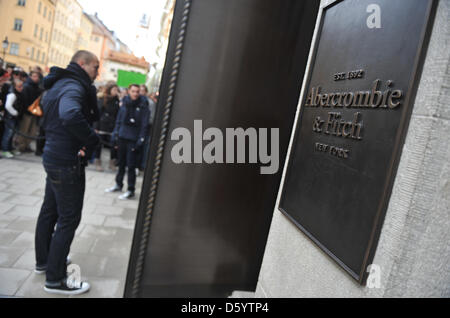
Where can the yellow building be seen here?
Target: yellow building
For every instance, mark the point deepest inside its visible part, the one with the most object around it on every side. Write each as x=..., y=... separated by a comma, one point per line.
x=27, y=24
x=102, y=42
x=64, y=42
x=84, y=33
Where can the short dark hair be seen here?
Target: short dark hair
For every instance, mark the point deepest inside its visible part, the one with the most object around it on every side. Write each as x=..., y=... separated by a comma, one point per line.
x=17, y=82
x=134, y=85
x=144, y=87
x=83, y=55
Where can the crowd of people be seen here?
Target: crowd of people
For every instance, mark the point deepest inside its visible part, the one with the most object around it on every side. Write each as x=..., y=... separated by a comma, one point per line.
x=20, y=125
x=18, y=91
x=72, y=121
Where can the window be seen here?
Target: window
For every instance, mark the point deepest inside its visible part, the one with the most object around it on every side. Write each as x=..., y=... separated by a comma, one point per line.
x=14, y=50
x=46, y=37
x=39, y=7
x=49, y=16
x=18, y=23
x=38, y=57
x=45, y=12
x=32, y=53
x=21, y=3
x=43, y=57
x=36, y=29
x=42, y=34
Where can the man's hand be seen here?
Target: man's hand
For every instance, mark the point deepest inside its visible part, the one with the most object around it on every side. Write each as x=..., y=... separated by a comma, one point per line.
x=82, y=152
x=139, y=144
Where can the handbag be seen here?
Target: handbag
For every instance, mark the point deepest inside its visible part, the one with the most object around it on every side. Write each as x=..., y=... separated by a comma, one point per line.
x=35, y=108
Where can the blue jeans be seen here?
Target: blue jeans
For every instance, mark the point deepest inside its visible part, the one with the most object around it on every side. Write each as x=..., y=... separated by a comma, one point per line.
x=127, y=159
x=8, y=134
x=63, y=202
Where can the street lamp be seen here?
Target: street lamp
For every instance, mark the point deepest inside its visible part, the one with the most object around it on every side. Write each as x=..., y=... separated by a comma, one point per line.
x=5, y=45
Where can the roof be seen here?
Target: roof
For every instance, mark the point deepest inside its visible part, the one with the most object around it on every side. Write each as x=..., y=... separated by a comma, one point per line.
x=129, y=59
x=99, y=27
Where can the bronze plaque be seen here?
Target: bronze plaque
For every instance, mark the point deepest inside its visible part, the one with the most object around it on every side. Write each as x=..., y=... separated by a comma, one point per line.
x=354, y=116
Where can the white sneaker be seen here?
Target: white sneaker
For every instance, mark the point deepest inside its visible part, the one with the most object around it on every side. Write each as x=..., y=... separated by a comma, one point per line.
x=7, y=155
x=68, y=287
x=116, y=188
x=127, y=196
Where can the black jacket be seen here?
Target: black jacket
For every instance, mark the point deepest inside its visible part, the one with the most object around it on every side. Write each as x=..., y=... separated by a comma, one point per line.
x=70, y=109
x=108, y=113
x=132, y=121
x=31, y=92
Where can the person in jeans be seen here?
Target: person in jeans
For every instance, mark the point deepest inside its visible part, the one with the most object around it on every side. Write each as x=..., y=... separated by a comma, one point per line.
x=143, y=155
x=70, y=109
x=29, y=124
x=108, y=107
x=129, y=134
x=14, y=109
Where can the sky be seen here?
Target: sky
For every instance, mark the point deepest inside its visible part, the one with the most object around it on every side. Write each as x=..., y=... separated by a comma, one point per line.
x=123, y=16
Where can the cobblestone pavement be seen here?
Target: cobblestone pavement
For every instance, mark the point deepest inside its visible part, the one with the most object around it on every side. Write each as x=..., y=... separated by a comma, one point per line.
x=102, y=243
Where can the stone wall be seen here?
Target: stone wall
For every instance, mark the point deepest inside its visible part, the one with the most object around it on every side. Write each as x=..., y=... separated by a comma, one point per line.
x=414, y=247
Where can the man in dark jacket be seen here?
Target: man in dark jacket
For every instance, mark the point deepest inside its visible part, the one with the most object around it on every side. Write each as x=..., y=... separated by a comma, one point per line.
x=130, y=133
x=70, y=108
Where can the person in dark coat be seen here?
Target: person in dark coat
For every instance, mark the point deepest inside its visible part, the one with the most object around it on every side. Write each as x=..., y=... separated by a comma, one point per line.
x=2, y=107
x=14, y=110
x=129, y=134
x=143, y=156
x=70, y=109
x=108, y=106
x=29, y=122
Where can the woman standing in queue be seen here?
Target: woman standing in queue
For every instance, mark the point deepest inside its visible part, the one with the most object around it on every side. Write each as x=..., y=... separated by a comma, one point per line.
x=14, y=107
x=109, y=106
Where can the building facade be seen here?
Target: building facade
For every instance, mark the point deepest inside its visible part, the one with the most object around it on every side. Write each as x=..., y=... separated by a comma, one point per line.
x=413, y=252
x=66, y=26
x=48, y=32
x=84, y=33
x=159, y=55
x=27, y=25
x=102, y=41
x=114, y=55
x=118, y=61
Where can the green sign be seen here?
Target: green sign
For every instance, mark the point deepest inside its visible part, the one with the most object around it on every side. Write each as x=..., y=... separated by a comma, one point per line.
x=126, y=78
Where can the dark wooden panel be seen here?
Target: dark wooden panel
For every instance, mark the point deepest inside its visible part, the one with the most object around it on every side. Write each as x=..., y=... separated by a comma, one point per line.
x=242, y=66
